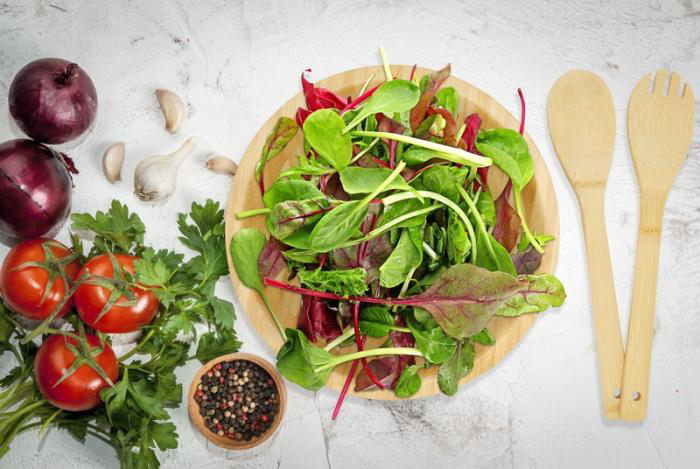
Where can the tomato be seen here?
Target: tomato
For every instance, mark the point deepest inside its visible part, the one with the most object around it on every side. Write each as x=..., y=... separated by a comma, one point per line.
x=126, y=314
x=81, y=389
x=26, y=275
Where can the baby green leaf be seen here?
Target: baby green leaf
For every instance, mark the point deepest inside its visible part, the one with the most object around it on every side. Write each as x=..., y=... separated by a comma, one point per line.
x=376, y=321
x=407, y=255
x=434, y=344
x=323, y=130
x=393, y=96
x=291, y=189
x=509, y=151
x=298, y=358
x=291, y=215
x=409, y=382
x=359, y=180
x=448, y=98
x=501, y=261
x=458, y=244
x=484, y=337
x=246, y=246
x=456, y=367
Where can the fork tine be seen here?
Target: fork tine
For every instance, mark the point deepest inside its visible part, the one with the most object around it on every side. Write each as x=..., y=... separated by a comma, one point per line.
x=688, y=93
x=642, y=86
x=673, y=86
x=659, y=82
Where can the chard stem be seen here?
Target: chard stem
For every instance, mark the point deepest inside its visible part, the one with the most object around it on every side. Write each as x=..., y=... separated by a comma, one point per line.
x=519, y=209
x=453, y=154
x=252, y=213
x=369, y=353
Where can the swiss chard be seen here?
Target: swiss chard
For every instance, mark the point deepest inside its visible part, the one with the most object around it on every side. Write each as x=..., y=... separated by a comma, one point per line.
x=429, y=86
x=456, y=367
x=284, y=131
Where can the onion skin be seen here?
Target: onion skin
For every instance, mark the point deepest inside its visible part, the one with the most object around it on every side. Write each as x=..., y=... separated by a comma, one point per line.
x=53, y=100
x=35, y=190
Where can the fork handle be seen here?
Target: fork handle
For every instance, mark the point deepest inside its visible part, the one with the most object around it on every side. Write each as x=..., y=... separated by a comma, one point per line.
x=635, y=377
x=606, y=321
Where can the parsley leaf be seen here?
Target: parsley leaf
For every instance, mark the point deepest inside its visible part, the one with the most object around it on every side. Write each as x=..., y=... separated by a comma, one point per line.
x=116, y=231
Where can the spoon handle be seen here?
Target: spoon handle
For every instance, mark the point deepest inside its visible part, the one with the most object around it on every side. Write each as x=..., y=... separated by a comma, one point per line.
x=635, y=378
x=605, y=316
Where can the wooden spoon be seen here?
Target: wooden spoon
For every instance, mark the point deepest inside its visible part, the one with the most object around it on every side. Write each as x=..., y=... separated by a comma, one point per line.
x=582, y=125
x=660, y=129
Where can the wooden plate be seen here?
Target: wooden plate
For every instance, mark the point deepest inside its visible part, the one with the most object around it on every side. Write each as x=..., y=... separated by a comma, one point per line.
x=539, y=200
x=224, y=441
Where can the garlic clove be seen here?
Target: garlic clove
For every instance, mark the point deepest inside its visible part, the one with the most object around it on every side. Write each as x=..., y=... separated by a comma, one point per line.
x=112, y=162
x=155, y=178
x=173, y=109
x=222, y=164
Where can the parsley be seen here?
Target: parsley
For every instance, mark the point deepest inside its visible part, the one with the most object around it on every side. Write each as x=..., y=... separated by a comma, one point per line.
x=135, y=418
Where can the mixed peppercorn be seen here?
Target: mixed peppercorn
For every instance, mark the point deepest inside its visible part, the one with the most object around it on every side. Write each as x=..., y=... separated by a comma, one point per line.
x=237, y=399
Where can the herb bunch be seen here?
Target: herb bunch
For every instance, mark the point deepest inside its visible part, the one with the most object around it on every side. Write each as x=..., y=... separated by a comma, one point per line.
x=134, y=418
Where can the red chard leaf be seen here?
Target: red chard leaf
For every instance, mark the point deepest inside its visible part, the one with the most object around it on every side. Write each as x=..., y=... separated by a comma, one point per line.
x=271, y=262
x=449, y=133
x=507, y=227
x=528, y=261
x=435, y=80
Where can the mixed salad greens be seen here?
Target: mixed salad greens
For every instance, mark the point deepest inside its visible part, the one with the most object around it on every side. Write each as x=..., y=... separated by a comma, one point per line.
x=389, y=226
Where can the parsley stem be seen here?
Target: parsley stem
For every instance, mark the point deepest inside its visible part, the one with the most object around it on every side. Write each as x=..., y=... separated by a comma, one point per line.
x=131, y=352
x=252, y=213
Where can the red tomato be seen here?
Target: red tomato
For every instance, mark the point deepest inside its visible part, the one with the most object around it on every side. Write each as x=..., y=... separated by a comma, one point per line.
x=24, y=287
x=81, y=389
x=122, y=317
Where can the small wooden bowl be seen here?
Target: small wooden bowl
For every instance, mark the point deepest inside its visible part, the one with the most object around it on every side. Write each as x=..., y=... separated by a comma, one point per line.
x=224, y=441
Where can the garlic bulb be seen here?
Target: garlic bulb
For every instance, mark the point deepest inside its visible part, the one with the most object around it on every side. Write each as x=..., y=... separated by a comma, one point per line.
x=221, y=164
x=173, y=109
x=112, y=162
x=155, y=177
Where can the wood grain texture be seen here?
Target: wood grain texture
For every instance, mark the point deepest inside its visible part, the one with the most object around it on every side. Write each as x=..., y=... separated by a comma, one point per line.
x=223, y=441
x=539, y=200
x=660, y=128
x=582, y=124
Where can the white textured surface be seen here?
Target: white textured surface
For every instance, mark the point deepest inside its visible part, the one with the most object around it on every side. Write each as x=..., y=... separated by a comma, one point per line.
x=236, y=62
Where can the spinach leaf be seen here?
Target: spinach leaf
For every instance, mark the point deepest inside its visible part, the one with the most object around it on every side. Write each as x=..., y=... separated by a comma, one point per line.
x=300, y=239
x=323, y=130
x=306, y=166
x=283, y=132
x=409, y=382
x=444, y=180
x=358, y=180
x=391, y=97
x=407, y=255
x=344, y=221
x=246, y=246
x=486, y=207
x=541, y=238
x=448, y=98
x=349, y=282
x=303, y=257
x=291, y=189
x=404, y=207
x=456, y=367
x=376, y=321
x=484, y=337
x=434, y=344
x=415, y=156
x=298, y=358
x=458, y=244
x=509, y=151
x=502, y=261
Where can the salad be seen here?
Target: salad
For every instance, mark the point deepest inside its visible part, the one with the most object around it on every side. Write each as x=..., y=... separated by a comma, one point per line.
x=388, y=230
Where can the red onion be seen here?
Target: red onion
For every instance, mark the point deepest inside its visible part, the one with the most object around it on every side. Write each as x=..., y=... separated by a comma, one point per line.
x=35, y=189
x=53, y=100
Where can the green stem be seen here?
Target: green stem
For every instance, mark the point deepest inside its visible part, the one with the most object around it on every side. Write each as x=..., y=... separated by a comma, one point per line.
x=394, y=174
x=456, y=155
x=429, y=251
x=363, y=152
x=272, y=313
x=369, y=353
x=14, y=415
x=15, y=394
x=252, y=213
x=460, y=132
x=133, y=351
x=339, y=340
x=385, y=63
x=523, y=222
x=444, y=200
x=479, y=221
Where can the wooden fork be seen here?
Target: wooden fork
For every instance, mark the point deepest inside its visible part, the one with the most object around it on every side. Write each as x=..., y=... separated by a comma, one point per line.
x=660, y=129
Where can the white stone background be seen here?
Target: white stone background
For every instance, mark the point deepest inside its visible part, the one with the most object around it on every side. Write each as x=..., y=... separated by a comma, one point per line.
x=235, y=62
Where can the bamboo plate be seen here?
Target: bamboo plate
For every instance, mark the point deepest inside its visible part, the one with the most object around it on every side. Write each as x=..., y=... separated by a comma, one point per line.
x=539, y=200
